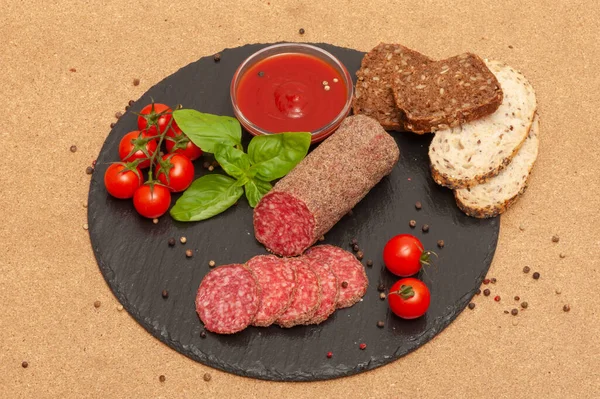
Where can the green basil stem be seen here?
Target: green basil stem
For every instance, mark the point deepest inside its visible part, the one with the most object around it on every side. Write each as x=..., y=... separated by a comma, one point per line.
x=157, y=152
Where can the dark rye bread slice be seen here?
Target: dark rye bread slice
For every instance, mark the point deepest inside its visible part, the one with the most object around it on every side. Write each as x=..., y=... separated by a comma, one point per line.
x=373, y=92
x=446, y=93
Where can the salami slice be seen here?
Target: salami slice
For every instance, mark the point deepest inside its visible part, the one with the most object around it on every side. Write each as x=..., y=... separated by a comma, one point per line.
x=324, y=186
x=329, y=288
x=307, y=297
x=228, y=299
x=347, y=270
x=277, y=280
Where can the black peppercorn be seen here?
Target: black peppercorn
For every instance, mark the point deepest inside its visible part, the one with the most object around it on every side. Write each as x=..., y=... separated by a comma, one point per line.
x=526, y=269
x=425, y=228
x=89, y=170
x=471, y=305
x=217, y=57
x=380, y=324
x=301, y=31
x=369, y=263
x=418, y=205
x=412, y=223
x=486, y=292
x=536, y=275
x=381, y=288
x=202, y=334
x=171, y=242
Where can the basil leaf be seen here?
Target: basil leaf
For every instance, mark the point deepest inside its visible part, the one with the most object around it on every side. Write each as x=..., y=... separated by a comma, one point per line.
x=273, y=156
x=255, y=190
x=206, y=197
x=233, y=161
x=206, y=130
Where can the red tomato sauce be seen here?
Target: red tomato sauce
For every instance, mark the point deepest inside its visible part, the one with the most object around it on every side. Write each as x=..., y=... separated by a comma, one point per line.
x=286, y=93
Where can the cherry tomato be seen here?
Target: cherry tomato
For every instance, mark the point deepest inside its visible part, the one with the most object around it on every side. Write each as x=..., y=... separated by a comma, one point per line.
x=152, y=200
x=179, y=143
x=179, y=169
x=409, y=298
x=122, y=180
x=403, y=255
x=152, y=115
x=137, y=146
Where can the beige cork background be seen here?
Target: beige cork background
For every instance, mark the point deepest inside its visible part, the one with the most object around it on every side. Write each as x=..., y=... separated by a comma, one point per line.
x=49, y=279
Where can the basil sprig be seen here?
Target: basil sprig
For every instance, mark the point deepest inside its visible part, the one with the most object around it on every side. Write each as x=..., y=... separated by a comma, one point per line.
x=269, y=158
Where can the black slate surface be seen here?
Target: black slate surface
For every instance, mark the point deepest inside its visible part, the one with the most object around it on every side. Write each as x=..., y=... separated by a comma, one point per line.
x=137, y=263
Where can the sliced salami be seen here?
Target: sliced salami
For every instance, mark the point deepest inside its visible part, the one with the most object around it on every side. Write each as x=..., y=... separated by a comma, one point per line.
x=347, y=270
x=329, y=288
x=277, y=280
x=307, y=297
x=228, y=299
x=324, y=186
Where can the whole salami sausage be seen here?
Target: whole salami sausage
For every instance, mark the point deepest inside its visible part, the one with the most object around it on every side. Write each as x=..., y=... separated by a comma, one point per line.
x=322, y=188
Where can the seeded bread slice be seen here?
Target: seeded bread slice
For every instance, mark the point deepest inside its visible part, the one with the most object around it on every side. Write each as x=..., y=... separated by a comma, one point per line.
x=446, y=93
x=373, y=92
x=497, y=194
x=470, y=154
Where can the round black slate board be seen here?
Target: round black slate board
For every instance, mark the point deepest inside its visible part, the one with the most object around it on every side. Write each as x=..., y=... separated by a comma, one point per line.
x=137, y=263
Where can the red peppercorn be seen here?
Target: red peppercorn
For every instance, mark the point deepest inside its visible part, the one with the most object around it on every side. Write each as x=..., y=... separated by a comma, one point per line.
x=362, y=346
x=497, y=298
x=329, y=355
x=486, y=281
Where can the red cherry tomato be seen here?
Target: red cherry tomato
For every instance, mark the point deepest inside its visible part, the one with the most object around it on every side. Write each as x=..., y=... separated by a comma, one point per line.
x=152, y=115
x=403, y=255
x=409, y=298
x=179, y=143
x=152, y=200
x=179, y=169
x=122, y=180
x=137, y=146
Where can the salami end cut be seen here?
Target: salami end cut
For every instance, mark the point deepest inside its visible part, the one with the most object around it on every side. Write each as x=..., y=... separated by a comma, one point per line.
x=228, y=299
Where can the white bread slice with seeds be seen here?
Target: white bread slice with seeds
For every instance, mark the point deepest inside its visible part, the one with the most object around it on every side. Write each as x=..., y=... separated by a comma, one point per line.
x=497, y=194
x=473, y=152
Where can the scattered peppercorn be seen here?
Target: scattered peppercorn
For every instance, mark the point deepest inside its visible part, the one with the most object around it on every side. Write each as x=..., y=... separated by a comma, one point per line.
x=486, y=292
x=506, y=312
x=497, y=298
x=362, y=346
x=562, y=256
x=217, y=57
x=112, y=124
x=206, y=164
x=329, y=355
x=171, y=242
x=536, y=275
x=354, y=242
x=558, y=291
x=514, y=312
x=344, y=284
x=136, y=82
x=211, y=168
x=521, y=227
x=493, y=280
x=555, y=238
x=189, y=253
x=86, y=226
x=97, y=304
x=526, y=269
x=440, y=243
x=380, y=324
x=478, y=292
x=517, y=298
x=524, y=305
x=165, y=294
x=486, y=281
x=211, y=263
x=412, y=223
x=206, y=377
x=73, y=148
x=155, y=220
x=418, y=205
x=131, y=102
x=24, y=365
x=381, y=288
x=126, y=107
x=566, y=308
x=425, y=228
x=203, y=334
x=89, y=170
x=369, y=263
x=360, y=255
x=118, y=114
x=471, y=305
x=301, y=31
x=94, y=163
x=355, y=248
x=382, y=296
x=120, y=307
x=183, y=240
x=322, y=238
x=162, y=378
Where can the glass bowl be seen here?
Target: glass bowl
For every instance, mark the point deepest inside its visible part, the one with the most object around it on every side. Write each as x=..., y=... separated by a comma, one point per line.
x=296, y=48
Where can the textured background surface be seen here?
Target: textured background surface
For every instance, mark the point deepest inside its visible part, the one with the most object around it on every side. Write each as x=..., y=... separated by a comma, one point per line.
x=47, y=270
